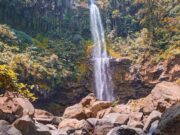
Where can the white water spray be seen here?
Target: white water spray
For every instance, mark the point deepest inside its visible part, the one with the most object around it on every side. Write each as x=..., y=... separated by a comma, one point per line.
x=100, y=57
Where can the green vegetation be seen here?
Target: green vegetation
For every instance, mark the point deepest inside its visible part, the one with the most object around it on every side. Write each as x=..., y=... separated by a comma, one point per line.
x=9, y=82
x=48, y=46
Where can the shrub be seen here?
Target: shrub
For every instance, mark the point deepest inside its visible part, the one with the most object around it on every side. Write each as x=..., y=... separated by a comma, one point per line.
x=9, y=82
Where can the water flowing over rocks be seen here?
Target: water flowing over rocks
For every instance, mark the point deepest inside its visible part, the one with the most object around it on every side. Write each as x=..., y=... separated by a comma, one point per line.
x=157, y=114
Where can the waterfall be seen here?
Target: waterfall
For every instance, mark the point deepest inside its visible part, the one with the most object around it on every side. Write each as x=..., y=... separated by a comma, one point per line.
x=103, y=83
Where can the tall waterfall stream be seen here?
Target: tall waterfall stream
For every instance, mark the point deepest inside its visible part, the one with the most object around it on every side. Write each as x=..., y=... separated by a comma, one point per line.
x=103, y=83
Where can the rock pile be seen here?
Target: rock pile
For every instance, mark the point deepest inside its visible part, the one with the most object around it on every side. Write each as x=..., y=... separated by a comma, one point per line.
x=157, y=114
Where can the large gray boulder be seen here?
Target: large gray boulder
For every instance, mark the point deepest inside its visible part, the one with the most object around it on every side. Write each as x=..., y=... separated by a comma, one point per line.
x=170, y=122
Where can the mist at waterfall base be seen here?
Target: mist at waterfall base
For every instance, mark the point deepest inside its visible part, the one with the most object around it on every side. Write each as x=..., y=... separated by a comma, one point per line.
x=103, y=83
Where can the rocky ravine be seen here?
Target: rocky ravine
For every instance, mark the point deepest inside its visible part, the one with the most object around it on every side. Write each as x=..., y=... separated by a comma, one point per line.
x=160, y=110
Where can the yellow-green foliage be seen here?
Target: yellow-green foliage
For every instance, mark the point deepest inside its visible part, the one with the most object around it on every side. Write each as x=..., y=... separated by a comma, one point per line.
x=172, y=51
x=115, y=13
x=40, y=41
x=5, y=31
x=9, y=82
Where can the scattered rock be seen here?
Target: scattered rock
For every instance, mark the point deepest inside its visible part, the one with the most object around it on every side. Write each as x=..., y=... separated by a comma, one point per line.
x=94, y=122
x=7, y=116
x=98, y=106
x=102, y=129
x=8, y=105
x=107, y=111
x=117, y=118
x=43, y=116
x=28, y=108
x=125, y=130
x=75, y=111
x=68, y=125
x=7, y=129
x=125, y=109
x=155, y=115
x=165, y=94
x=135, y=124
x=56, y=120
x=42, y=129
x=88, y=100
x=25, y=125
x=153, y=127
x=137, y=116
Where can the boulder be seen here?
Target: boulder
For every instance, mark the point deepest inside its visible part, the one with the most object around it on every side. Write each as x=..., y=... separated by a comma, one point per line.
x=117, y=118
x=165, y=94
x=170, y=122
x=14, y=104
x=102, y=129
x=98, y=106
x=28, y=108
x=75, y=112
x=125, y=109
x=101, y=113
x=43, y=116
x=56, y=120
x=137, y=116
x=8, y=105
x=125, y=130
x=25, y=125
x=98, y=122
x=88, y=100
x=7, y=116
x=155, y=115
x=42, y=129
x=153, y=127
x=135, y=124
x=71, y=125
x=7, y=129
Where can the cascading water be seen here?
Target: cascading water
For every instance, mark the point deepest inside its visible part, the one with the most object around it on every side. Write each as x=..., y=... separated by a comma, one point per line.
x=100, y=57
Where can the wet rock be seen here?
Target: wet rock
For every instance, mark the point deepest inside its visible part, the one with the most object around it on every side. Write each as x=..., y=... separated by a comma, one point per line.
x=75, y=111
x=25, y=125
x=170, y=122
x=155, y=115
x=117, y=118
x=7, y=129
